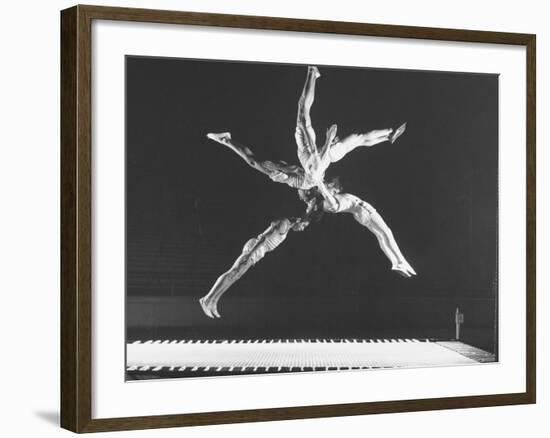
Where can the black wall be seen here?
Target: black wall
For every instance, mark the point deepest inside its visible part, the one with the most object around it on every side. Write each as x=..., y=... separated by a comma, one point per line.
x=192, y=203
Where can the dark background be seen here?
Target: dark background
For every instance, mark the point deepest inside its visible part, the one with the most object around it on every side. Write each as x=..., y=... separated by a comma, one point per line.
x=192, y=203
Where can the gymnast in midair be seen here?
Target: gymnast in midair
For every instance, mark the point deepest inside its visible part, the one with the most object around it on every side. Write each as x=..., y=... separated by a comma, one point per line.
x=253, y=251
x=366, y=215
x=256, y=248
x=277, y=171
x=319, y=196
x=313, y=162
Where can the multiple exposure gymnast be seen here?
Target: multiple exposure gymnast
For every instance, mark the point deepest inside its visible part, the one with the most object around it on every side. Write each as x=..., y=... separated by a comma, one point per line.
x=313, y=162
x=309, y=180
x=366, y=215
x=253, y=251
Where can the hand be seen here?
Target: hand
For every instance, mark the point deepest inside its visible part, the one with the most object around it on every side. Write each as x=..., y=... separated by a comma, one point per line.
x=300, y=225
x=278, y=177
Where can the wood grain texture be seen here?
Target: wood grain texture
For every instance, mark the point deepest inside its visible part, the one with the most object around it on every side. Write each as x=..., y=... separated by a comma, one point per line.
x=69, y=328
x=76, y=223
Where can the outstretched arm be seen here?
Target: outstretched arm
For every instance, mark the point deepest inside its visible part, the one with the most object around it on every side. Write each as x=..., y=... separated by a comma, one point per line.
x=341, y=148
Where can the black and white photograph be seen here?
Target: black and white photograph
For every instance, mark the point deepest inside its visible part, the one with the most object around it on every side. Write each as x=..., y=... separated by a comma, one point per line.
x=275, y=219
x=288, y=218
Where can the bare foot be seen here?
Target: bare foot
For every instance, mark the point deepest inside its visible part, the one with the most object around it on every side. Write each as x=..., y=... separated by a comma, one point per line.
x=205, y=308
x=315, y=71
x=221, y=137
x=332, y=138
x=225, y=139
x=404, y=269
x=214, y=308
x=209, y=307
x=398, y=132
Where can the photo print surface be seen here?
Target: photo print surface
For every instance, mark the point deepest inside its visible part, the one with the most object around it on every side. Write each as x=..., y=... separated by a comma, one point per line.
x=290, y=218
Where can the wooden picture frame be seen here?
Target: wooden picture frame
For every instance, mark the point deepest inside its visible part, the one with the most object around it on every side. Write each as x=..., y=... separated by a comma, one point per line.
x=76, y=218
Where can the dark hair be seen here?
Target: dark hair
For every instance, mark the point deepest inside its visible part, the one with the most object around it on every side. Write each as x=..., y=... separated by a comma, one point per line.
x=317, y=214
x=335, y=184
x=307, y=196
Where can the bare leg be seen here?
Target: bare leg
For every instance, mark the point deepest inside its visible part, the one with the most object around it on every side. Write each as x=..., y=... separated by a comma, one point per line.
x=367, y=216
x=209, y=302
x=305, y=134
x=274, y=170
x=245, y=153
x=253, y=251
x=331, y=139
x=340, y=149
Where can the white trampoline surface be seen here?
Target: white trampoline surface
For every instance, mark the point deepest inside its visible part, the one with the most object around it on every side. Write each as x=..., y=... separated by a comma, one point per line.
x=373, y=353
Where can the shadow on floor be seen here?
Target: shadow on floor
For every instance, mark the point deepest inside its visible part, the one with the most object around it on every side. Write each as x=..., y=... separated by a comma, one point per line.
x=51, y=417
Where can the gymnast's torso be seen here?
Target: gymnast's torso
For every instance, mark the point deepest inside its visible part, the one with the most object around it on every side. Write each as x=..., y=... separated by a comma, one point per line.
x=290, y=174
x=267, y=241
x=348, y=203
